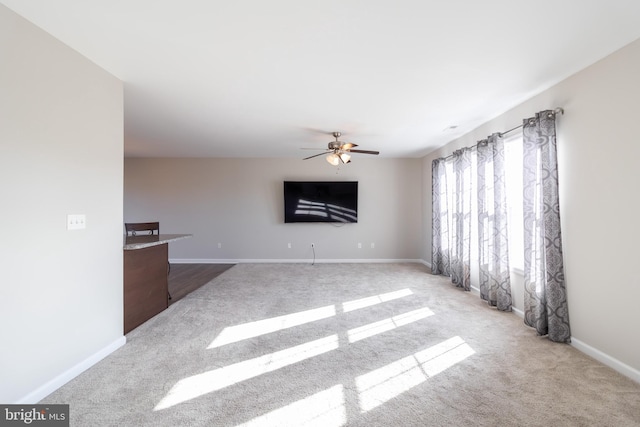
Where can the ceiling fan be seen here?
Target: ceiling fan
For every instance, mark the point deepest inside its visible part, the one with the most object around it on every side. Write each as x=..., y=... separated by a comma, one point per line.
x=339, y=151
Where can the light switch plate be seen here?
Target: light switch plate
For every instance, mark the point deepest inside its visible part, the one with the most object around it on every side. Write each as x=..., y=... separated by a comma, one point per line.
x=76, y=222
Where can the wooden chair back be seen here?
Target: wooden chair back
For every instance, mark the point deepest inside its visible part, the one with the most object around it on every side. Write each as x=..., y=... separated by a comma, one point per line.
x=137, y=228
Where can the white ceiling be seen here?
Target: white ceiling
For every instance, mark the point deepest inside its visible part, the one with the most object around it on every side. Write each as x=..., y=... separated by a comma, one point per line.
x=255, y=78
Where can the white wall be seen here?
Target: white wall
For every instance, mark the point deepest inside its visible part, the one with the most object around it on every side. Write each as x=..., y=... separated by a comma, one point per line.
x=598, y=154
x=239, y=203
x=61, y=150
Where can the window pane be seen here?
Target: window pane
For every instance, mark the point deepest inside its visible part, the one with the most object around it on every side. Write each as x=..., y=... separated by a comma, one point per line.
x=513, y=171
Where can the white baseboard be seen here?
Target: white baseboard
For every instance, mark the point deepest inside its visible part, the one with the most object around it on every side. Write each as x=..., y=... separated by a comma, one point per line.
x=291, y=261
x=60, y=380
x=202, y=261
x=601, y=357
x=615, y=364
x=517, y=312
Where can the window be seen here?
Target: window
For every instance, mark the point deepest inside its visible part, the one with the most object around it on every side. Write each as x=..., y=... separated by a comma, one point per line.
x=514, y=172
x=463, y=189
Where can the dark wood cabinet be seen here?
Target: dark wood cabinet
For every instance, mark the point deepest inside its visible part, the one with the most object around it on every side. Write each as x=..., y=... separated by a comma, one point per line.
x=145, y=284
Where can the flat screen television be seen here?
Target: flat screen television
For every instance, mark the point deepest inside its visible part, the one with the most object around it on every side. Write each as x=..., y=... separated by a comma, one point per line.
x=320, y=201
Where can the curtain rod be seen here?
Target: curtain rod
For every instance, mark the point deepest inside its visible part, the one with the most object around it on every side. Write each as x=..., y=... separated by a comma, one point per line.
x=557, y=110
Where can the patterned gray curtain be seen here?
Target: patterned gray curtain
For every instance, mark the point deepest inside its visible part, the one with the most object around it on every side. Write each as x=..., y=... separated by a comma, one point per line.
x=451, y=216
x=495, y=282
x=440, y=219
x=461, y=220
x=545, y=302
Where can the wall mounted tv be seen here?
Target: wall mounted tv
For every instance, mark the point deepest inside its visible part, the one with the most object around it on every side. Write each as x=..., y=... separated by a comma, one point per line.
x=320, y=201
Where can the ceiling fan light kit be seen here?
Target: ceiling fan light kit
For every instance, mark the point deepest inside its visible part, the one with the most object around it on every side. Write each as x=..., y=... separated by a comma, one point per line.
x=339, y=151
x=345, y=157
x=333, y=159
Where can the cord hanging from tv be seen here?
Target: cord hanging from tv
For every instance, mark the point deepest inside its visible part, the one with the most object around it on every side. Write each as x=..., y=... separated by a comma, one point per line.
x=321, y=201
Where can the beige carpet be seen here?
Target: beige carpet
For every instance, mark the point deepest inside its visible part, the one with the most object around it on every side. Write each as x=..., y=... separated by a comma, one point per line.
x=344, y=344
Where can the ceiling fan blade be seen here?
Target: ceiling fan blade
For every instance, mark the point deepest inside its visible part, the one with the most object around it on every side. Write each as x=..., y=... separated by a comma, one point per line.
x=315, y=155
x=364, y=151
x=308, y=148
x=348, y=146
x=317, y=131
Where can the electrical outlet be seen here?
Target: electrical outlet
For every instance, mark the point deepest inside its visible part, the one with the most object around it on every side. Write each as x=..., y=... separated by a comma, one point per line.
x=289, y=245
x=373, y=245
x=313, y=245
x=219, y=245
x=359, y=245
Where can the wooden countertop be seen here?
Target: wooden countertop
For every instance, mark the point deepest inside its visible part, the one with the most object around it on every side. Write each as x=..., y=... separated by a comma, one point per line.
x=140, y=242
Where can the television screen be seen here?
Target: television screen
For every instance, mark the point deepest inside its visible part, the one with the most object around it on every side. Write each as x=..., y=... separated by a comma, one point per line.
x=320, y=201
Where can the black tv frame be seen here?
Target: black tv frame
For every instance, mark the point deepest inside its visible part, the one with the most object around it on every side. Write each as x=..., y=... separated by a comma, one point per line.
x=320, y=201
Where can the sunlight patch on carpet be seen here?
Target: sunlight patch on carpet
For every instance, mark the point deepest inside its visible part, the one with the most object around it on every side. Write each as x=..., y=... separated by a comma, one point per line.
x=237, y=333
x=383, y=384
x=324, y=409
x=245, y=331
x=388, y=324
x=376, y=299
x=207, y=382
